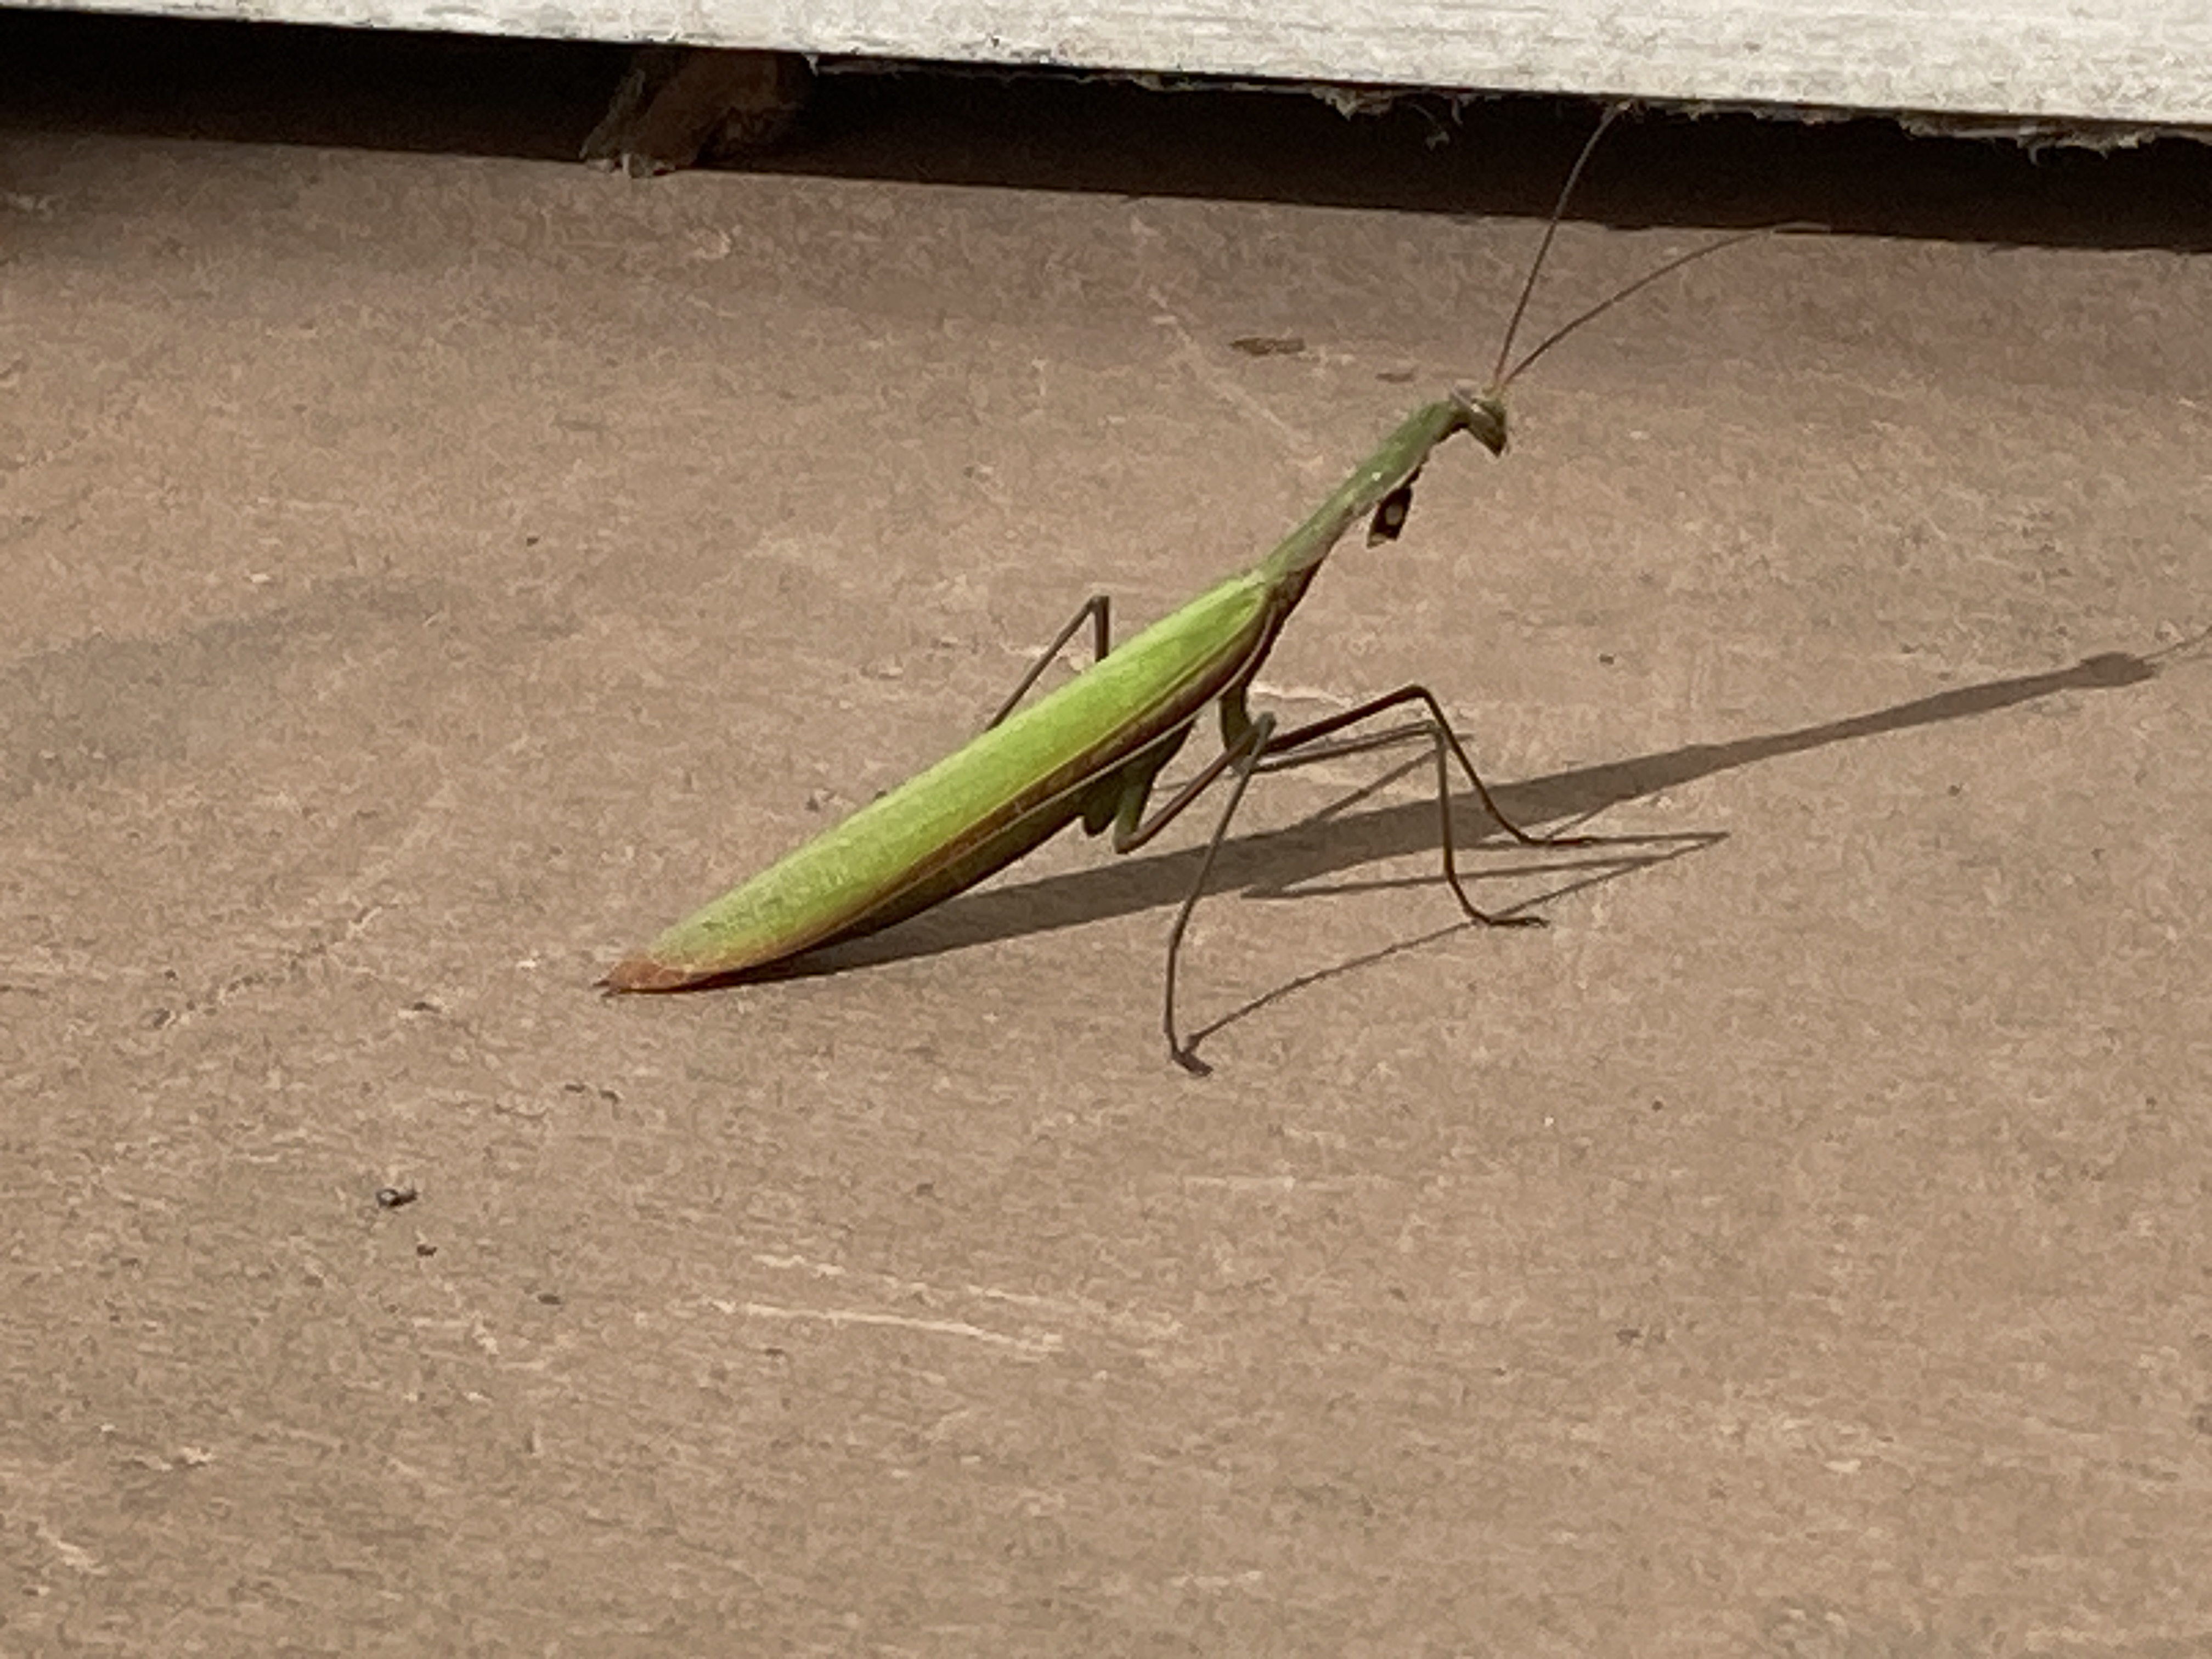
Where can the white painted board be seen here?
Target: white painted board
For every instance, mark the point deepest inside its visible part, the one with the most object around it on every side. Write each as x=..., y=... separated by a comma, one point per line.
x=2145, y=63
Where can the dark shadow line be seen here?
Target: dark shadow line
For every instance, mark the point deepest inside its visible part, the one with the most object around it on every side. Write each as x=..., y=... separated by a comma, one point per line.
x=1276, y=861
x=1691, y=840
x=1488, y=154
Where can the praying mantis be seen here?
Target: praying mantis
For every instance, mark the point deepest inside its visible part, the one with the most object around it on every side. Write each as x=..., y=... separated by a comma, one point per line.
x=1093, y=749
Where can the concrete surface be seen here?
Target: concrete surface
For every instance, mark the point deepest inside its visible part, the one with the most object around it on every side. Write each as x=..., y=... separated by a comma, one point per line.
x=427, y=574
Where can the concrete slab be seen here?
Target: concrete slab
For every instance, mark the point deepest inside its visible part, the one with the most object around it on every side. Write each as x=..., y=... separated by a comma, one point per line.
x=427, y=574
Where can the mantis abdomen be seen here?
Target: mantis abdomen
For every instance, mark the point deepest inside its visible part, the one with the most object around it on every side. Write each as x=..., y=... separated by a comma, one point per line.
x=1083, y=751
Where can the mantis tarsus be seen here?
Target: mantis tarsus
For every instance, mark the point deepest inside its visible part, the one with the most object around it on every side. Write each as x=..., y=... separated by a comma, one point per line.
x=1093, y=749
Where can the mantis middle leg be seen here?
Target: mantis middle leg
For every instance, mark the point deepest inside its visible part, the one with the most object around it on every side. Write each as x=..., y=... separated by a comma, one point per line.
x=1256, y=746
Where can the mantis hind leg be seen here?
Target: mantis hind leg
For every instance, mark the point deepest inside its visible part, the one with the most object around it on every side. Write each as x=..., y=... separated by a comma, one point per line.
x=1243, y=754
x=1097, y=611
x=1445, y=744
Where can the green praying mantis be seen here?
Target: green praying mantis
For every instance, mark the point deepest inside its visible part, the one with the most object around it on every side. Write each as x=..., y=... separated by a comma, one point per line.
x=1093, y=749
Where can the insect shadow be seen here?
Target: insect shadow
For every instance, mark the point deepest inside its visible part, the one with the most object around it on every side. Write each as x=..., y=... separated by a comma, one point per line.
x=1293, y=863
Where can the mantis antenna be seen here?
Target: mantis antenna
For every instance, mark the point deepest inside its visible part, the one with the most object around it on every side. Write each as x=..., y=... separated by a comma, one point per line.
x=1499, y=378
x=1502, y=376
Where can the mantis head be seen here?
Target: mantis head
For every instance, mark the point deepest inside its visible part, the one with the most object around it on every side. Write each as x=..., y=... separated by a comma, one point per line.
x=1484, y=414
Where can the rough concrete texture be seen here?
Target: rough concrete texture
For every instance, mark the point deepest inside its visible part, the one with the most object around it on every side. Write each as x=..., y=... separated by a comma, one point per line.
x=427, y=574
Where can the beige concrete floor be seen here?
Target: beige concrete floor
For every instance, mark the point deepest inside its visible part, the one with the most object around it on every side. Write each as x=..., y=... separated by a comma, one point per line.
x=426, y=574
